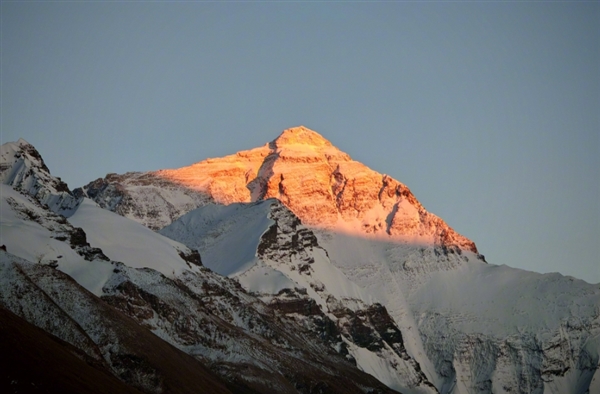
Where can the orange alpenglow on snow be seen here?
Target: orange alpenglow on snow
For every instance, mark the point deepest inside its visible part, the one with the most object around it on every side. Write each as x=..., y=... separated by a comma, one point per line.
x=323, y=186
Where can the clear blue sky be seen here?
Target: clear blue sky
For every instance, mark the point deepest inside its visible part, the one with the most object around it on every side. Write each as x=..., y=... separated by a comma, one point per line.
x=489, y=112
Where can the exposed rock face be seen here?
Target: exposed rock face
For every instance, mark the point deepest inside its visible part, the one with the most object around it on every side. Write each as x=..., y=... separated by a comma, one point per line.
x=265, y=348
x=322, y=185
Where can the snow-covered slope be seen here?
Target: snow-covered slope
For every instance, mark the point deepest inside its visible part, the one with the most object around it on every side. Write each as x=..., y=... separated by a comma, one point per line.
x=39, y=235
x=214, y=229
x=36, y=234
x=255, y=228
x=137, y=246
x=144, y=197
x=484, y=327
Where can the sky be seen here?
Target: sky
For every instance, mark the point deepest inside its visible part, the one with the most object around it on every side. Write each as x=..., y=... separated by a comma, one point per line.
x=488, y=111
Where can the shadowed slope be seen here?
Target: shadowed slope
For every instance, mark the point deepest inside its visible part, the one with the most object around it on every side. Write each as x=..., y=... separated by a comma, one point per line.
x=34, y=361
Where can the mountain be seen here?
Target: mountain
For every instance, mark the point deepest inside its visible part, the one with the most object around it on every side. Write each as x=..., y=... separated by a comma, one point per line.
x=286, y=268
x=141, y=308
x=470, y=326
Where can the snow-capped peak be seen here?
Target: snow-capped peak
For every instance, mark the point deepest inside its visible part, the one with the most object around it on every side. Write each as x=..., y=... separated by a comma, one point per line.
x=320, y=184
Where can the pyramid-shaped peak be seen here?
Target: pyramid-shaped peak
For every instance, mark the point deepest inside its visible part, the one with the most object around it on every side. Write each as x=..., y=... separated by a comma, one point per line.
x=301, y=136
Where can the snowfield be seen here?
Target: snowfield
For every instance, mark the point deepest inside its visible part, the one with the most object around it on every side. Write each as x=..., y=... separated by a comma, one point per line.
x=41, y=240
x=124, y=240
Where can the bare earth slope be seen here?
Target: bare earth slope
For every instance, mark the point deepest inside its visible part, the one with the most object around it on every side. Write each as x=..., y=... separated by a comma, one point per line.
x=42, y=363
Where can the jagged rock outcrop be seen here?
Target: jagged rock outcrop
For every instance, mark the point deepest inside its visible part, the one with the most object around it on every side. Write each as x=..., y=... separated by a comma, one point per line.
x=22, y=167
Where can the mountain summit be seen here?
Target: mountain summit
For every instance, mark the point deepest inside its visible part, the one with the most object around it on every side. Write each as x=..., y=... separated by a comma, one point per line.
x=322, y=185
x=301, y=136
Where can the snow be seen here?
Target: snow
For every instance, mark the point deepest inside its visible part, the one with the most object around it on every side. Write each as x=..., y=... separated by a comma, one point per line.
x=122, y=239
x=371, y=363
x=430, y=295
x=33, y=242
x=265, y=280
x=385, y=367
x=226, y=236
x=501, y=301
x=92, y=275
